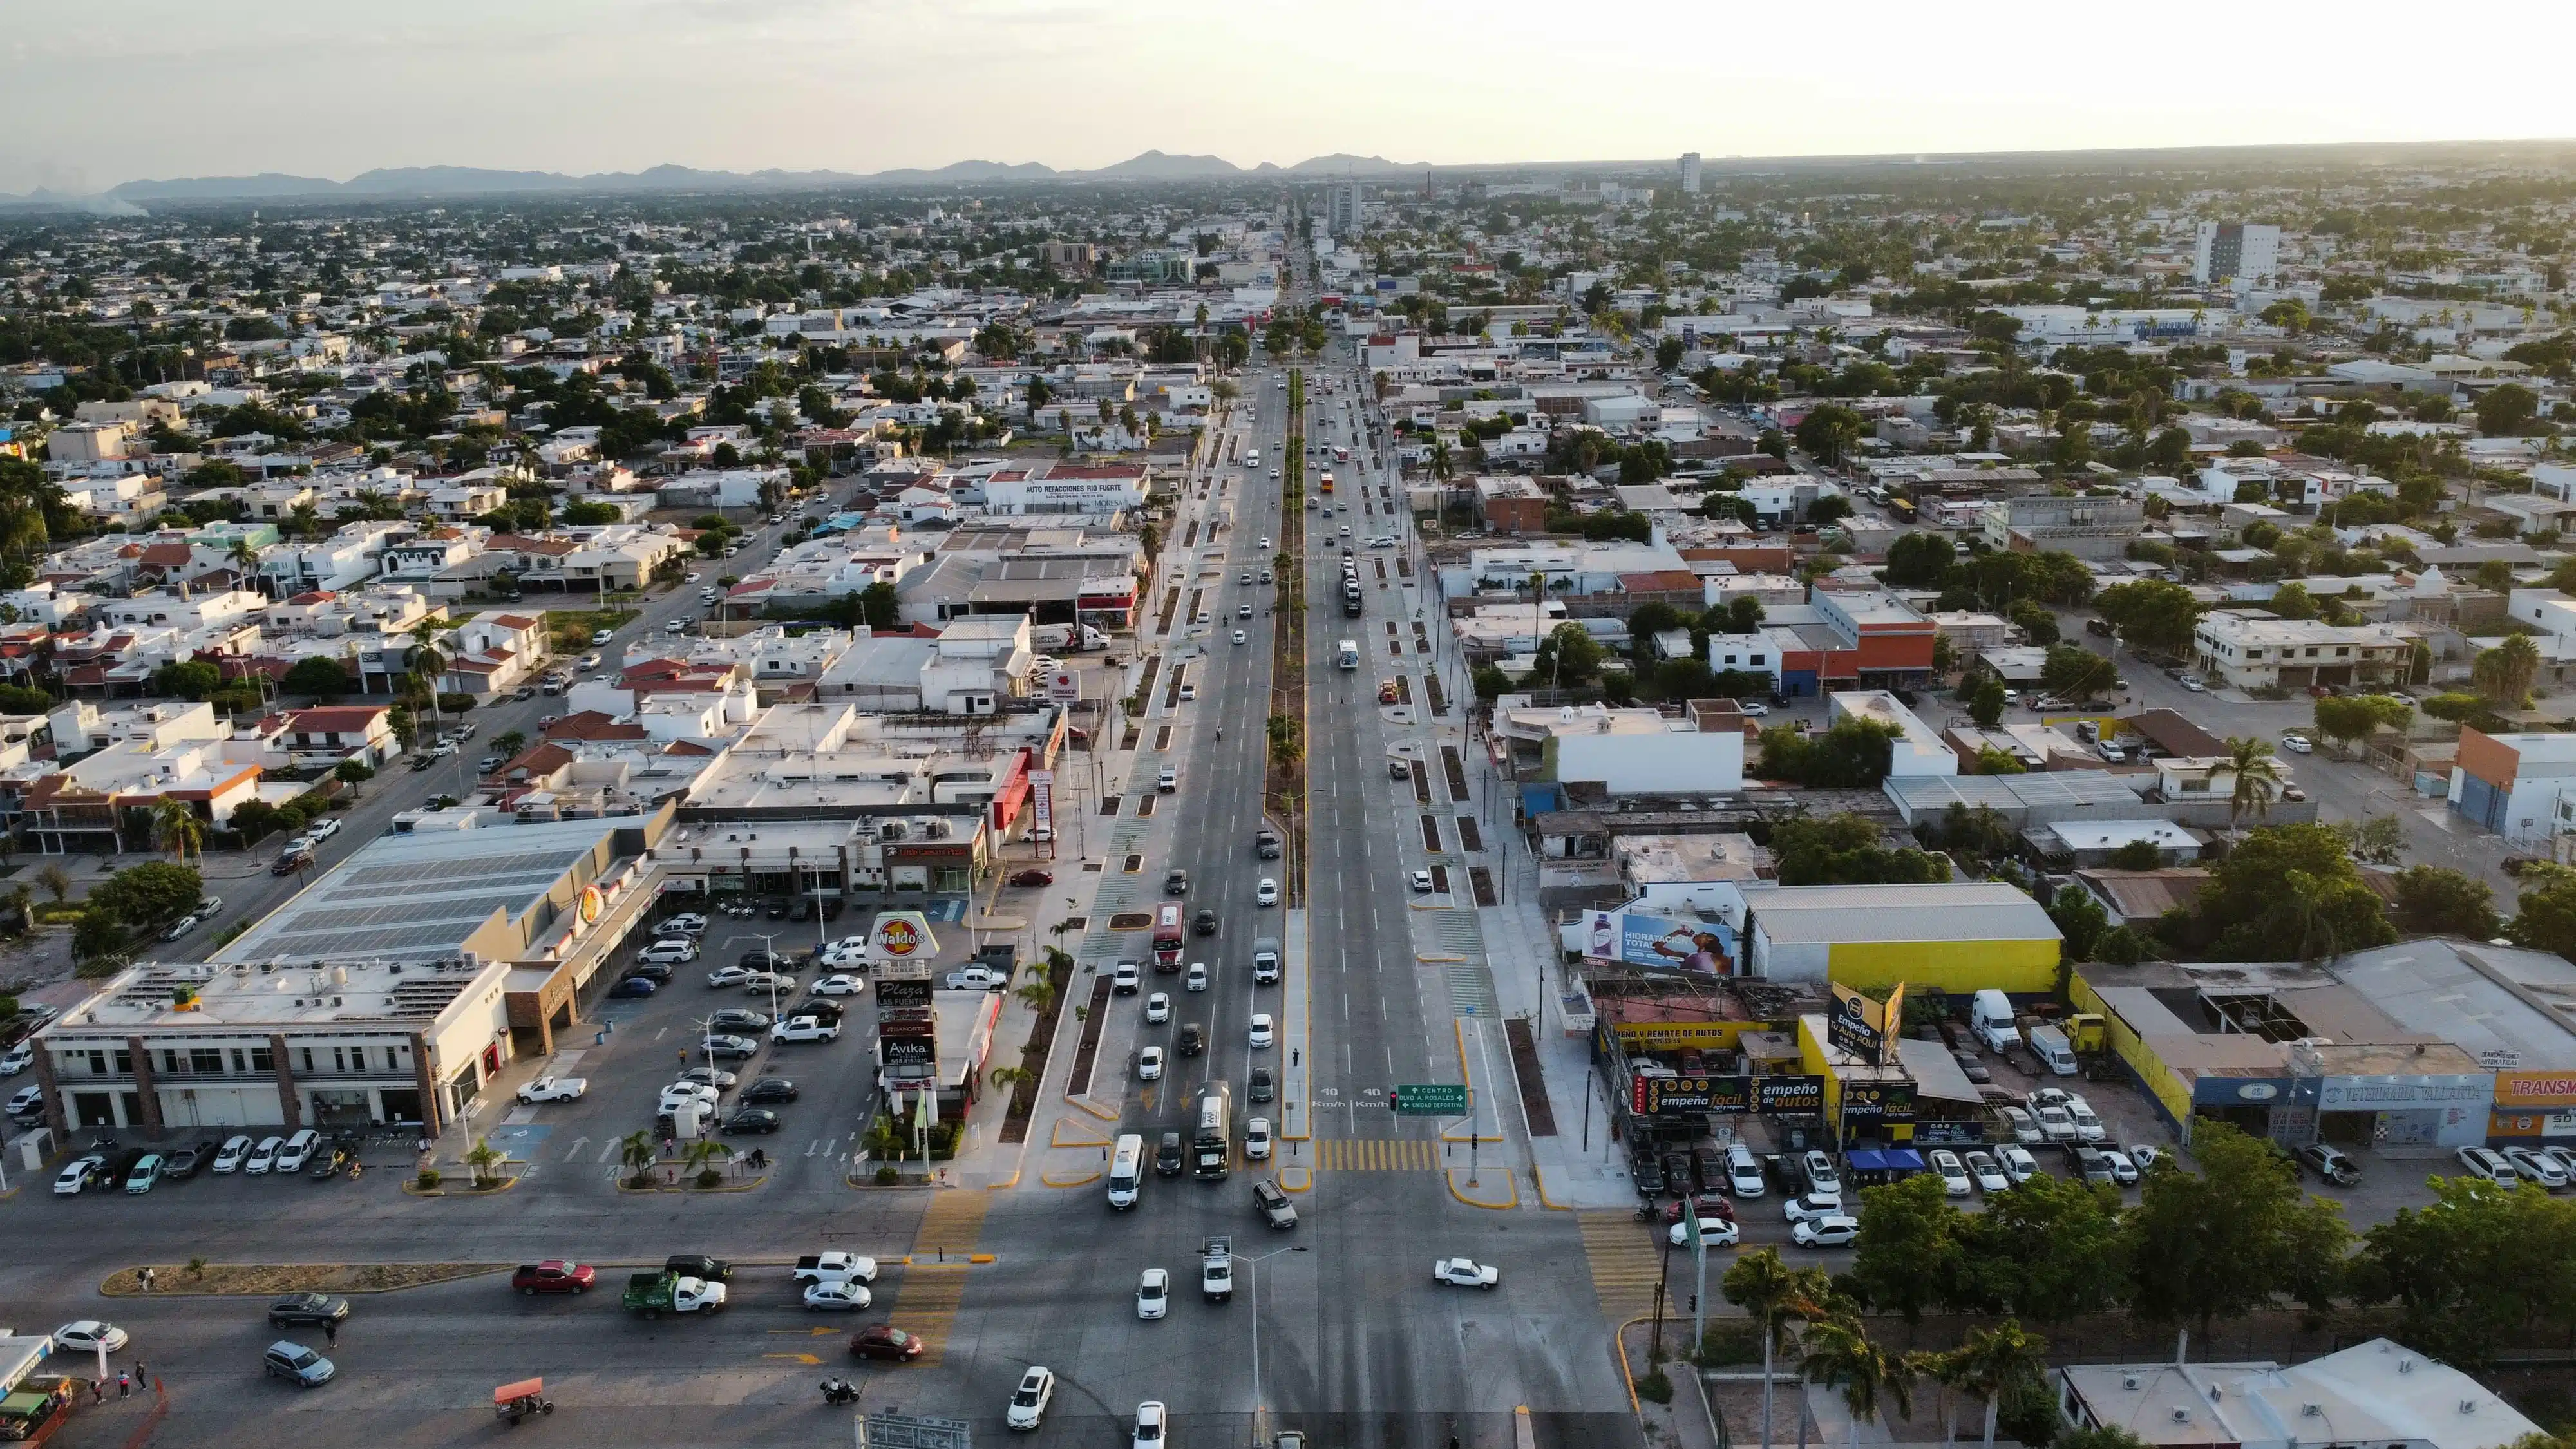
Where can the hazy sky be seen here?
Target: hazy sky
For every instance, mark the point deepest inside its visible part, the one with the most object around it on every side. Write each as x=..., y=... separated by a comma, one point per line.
x=103, y=91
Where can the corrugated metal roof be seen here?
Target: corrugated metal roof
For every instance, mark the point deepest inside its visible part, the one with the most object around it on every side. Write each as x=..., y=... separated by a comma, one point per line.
x=1955, y=911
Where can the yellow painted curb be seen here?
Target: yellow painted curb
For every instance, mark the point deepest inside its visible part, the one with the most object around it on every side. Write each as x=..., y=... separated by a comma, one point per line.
x=1455, y=1176
x=1457, y=1138
x=1439, y=960
x=1538, y=1180
x=1006, y=1185
x=1627, y=1376
x=1094, y=1111
x=412, y=1188
x=1083, y=1136
x=1304, y=1179
x=979, y=1257
x=1051, y=1180
x=689, y=1186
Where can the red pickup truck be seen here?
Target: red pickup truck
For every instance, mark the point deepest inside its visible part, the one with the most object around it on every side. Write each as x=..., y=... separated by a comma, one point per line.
x=554, y=1275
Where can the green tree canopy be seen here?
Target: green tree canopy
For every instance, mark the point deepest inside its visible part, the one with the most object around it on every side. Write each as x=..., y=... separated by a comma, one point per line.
x=2289, y=893
x=319, y=676
x=1849, y=850
x=2236, y=1237
x=147, y=894
x=2435, y=901
x=2476, y=1270
x=2151, y=614
x=1854, y=753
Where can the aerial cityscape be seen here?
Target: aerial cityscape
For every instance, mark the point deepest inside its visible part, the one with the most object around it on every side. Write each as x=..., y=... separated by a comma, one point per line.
x=1875, y=787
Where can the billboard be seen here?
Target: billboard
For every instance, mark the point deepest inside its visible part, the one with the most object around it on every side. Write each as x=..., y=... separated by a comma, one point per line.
x=1865, y=1102
x=900, y=944
x=2554, y=1090
x=1674, y=943
x=1042, y=804
x=1063, y=686
x=903, y=996
x=907, y=1050
x=1789, y=1095
x=1865, y=1028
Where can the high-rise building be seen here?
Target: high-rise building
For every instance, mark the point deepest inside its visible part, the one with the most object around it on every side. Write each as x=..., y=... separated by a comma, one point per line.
x=1346, y=208
x=2230, y=251
x=1690, y=173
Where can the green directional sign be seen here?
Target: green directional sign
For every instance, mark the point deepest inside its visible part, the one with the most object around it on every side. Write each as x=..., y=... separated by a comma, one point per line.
x=1431, y=1099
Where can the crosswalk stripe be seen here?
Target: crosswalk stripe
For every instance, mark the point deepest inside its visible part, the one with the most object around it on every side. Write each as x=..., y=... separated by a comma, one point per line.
x=932, y=1290
x=1624, y=1264
x=1378, y=1154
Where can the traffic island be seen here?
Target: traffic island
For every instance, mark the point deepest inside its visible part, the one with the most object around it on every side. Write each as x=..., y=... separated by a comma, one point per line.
x=1485, y=1187
x=429, y=1184
x=662, y=1180
x=268, y=1280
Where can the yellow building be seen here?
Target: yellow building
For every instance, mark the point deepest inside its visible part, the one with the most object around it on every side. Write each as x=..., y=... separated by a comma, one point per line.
x=1960, y=936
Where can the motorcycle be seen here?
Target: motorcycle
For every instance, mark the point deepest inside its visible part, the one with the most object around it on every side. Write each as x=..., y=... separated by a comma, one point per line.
x=840, y=1391
x=513, y=1402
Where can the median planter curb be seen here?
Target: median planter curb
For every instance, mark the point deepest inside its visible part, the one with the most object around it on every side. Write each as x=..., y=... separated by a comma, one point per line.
x=411, y=1188
x=687, y=1184
x=253, y=1280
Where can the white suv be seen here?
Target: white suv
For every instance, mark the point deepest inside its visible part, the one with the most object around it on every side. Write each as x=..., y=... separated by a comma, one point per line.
x=670, y=951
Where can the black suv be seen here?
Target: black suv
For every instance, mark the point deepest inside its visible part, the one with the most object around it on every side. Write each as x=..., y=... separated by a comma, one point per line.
x=1167, y=1155
x=698, y=1265
x=1204, y=923
x=1193, y=1040
x=307, y=1308
x=1646, y=1174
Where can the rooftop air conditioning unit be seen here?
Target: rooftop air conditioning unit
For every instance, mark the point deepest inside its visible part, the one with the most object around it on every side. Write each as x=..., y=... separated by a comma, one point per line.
x=2182, y=1416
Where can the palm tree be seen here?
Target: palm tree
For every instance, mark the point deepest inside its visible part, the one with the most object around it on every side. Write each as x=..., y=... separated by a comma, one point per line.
x=1038, y=994
x=1840, y=1354
x=1773, y=1293
x=1285, y=745
x=700, y=1159
x=1991, y=1363
x=1005, y=1079
x=178, y=828
x=2504, y=673
x=636, y=1151
x=2258, y=778
x=245, y=557
x=482, y=1159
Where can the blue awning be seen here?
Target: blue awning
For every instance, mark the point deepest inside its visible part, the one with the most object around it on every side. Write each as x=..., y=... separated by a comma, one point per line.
x=1904, y=1159
x=1863, y=1159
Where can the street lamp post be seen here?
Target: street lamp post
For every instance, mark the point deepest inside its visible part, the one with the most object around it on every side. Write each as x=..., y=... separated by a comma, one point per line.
x=1257, y=1407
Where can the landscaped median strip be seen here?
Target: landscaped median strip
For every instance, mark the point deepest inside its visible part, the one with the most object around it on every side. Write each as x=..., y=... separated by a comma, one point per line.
x=266, y=1280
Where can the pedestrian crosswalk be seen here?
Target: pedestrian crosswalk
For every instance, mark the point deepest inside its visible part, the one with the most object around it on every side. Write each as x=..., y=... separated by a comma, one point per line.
x=1624, y=1264
x=935, y=1282
x=1377, y=1154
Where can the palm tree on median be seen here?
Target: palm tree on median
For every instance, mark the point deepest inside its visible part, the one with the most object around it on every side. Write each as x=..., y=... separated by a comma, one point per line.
x=1991, y=1363
x=1841, y=1355
x=1774, y=1294
x=636, y=1151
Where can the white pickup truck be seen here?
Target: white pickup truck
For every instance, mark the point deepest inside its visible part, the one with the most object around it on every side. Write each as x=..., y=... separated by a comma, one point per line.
x=805, y=1028
x=1465, y=1273
x=835, y=1268
x=554, y=1089
x=977, y=978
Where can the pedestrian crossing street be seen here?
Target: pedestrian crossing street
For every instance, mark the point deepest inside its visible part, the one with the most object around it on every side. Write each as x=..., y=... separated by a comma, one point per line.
x=1377, y=1154
x=1624, y=1264
x=932, y=1290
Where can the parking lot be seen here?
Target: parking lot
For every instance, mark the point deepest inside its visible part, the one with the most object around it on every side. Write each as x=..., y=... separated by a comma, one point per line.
x=628, y=1050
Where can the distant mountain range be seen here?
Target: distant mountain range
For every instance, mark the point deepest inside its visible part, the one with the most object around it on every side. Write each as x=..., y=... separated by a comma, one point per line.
x=436, y=181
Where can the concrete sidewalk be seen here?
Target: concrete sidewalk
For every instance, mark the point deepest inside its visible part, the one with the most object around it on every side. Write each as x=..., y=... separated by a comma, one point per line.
x=1579, y=1167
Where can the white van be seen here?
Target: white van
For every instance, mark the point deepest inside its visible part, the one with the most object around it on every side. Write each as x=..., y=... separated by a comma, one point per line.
x=1126, y=1171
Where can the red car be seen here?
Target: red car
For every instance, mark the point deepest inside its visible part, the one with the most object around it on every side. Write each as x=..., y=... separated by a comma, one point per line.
x=554, y=1275
x=884, y=1340
x=1033, y=878
x=1711, y=1205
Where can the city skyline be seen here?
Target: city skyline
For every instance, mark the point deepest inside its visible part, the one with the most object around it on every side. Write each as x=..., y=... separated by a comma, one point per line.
x=585, y=86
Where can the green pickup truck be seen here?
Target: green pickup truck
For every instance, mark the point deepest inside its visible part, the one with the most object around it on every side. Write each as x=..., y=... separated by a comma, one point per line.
x=654, y=1294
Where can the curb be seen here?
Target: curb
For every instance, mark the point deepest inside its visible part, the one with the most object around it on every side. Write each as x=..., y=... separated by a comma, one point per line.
x=692, y=1187
x=1509, y=1180
x=1051, y=1180
x=1055, y=1137
x=1007, y=1184
x=1305, y=1179
x=1627, y=1376
x=411, y=1188
x=1538, y=1180
x=1094, y=1111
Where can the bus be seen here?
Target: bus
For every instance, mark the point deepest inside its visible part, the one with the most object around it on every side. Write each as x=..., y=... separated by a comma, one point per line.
x=1341, y=455
x=1212, y=1140
x=1327, y=480
x=1168, y=939
x=1126, y=1171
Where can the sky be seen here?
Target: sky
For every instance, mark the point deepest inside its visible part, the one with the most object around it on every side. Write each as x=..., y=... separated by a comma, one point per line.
x=105, y=91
